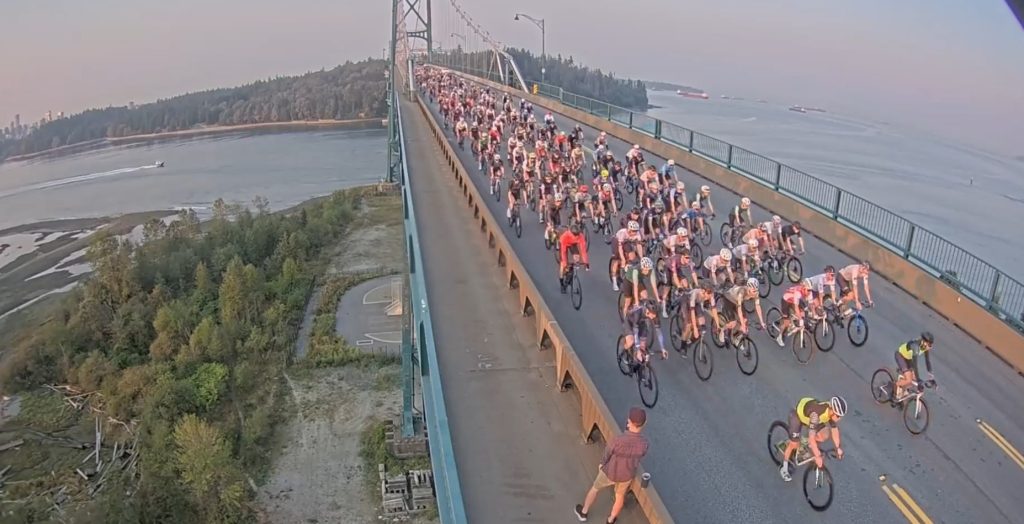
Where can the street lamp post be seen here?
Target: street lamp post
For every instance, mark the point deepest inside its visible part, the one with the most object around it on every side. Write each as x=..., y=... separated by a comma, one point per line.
x=543, y=55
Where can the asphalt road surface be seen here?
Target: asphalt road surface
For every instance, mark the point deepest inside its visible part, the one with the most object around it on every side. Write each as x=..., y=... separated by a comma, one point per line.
x=709, y=457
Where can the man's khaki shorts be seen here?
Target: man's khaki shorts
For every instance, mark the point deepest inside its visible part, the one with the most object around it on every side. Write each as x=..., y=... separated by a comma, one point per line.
x=602, y=481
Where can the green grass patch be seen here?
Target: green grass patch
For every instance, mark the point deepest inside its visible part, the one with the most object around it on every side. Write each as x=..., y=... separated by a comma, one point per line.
x=374, y=451
x=45, y=411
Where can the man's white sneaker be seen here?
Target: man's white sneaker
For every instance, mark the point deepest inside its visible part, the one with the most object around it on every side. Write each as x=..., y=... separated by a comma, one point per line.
x=784, y=472
x=778, y=340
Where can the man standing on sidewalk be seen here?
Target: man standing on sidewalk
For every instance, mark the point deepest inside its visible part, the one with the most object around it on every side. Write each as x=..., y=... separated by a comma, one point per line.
x=618, y=467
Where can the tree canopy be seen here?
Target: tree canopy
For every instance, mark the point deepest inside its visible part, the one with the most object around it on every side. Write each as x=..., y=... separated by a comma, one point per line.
x=351, y=90
x=582, y=80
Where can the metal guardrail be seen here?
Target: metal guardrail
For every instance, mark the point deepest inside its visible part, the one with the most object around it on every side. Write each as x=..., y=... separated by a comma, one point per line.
x=1000, y=294
x=596, y=418
x=448, y=490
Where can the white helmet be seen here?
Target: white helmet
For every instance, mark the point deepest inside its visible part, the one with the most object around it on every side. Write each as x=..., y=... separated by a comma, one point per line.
x=745, y=202
x=603, y=134
x=705, y=189
x=680, y=186
x=646, y=264
x=633, y=225
x=752, y=283
x=607, y=187
x=776, y=219
x=725, y=254
x=695, y=205
x=752, y=243
x=682, y=232
x=636, y=146
x=671, y=162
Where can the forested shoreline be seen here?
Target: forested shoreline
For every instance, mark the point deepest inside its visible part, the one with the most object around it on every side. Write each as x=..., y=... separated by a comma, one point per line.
x=349, y=91
x=183, y=340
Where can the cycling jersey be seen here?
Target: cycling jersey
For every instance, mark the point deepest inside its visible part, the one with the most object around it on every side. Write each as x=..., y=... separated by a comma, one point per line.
x=742, y=251
x=695, y=299
x=676, y=264
x=814, y=414
x=569, y=241
x=795, y=294
x=789, y=231
x=909, y=353
x=736, y=295
x=643, y=327
x=820, y=282
x=853, y=272
x=714, y=263
x=672, y=241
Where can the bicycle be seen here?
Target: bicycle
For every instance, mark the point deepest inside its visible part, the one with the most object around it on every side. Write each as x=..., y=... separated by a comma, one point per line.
x=824, y=333
x=646, y=380
x=856, y=324
x=816, y=487
x=701, y=230
x=915, y=410
x=746, y=349
x=729, y=234
x=496, y=187
x=516, y=221
x=603, y=227
x=800, y=344
x=571, y=281
x=783, y=264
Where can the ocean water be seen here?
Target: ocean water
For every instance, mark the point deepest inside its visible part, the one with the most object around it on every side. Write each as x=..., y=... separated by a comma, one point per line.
x=927, y=180
x=286, y=168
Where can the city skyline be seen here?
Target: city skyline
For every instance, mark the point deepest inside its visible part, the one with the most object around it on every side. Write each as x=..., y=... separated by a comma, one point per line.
x=950, y=69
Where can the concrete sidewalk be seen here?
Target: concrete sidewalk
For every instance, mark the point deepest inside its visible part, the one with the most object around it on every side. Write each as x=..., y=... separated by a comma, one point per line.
x=517, y=442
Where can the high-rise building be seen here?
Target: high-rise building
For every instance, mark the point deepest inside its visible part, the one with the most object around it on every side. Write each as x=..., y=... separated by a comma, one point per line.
x=48, y=117
x=17, y=120
x=60, y=114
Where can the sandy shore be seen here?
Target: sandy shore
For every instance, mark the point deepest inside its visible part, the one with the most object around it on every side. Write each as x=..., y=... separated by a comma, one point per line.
x=268, y=127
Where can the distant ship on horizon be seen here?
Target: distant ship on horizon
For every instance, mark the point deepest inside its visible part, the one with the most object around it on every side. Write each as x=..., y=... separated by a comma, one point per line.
x=690, y=94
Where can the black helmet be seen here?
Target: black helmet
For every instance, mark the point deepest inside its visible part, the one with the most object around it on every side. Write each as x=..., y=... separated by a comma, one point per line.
x=927, y=337
x=574, y=229
x=681, y=250
x=830, y=269
x=635, y=210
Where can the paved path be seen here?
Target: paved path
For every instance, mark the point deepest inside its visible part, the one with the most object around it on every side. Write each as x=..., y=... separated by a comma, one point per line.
x=516, y=440
x=362, y=319
x=709, y=456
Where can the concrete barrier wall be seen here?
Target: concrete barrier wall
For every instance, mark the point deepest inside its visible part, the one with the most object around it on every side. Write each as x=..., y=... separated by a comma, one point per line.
x=959, y=310
x=596, y=418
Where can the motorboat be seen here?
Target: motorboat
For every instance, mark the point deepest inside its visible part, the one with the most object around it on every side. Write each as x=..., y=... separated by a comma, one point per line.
x=159, y=163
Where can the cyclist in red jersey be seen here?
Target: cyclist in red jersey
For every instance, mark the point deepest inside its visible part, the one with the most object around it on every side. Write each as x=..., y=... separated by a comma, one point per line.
x=793, y=301
x=572, y=241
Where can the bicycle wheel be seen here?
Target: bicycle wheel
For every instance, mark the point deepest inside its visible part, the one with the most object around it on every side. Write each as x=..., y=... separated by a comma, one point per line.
x=705, y=234
x=746, y=356
x=647, y=383
x=716, y=333
x=778, y=438
x=618, y=198
x=824, y=335
x=497, y=190
x=725, y=234
x=764, y=286
x=818, y=487
x=696, y=253
x=518, y=225
x=775, y=275
x=882, y=386
x=703, y=360
x=576, y=291
x=622, y=302
x=915, y=415
x=803, y=350
x=622, y=355
x=772, y=319
x=611, y=262
x=794, y=269
x=659, y=268
x=547, y=241
x=531, y=198
x=675, y=331
x=857, y=330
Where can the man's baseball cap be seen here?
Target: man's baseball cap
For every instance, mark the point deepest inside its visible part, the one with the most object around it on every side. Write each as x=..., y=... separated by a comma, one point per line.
x=637, y=416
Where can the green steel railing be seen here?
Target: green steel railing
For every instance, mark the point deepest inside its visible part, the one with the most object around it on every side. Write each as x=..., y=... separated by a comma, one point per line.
x=989, y=287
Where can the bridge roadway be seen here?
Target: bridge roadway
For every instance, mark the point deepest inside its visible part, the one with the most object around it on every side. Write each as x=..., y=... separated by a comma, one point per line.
x=517, y=460
x=709, y=456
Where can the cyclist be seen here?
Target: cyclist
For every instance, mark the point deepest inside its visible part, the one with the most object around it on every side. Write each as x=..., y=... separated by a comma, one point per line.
x=678, y=265
x=547, y=193
x=601, y=140
x=848, y=277
x=604, y=201
x=714, y=265
x=699, y=301
x=821, y=420
x=740, y=215
x=786, y=234
x=792, y=301
x=571, y=242
x=677, y=197
x=635, y=157
x=554, y=216
x=746, y=256
x=668, y=172
x=625, y=247
x=515, y=194
x=461, y=128
x=640, y=322
x=908, y=358
x=497, y=171
x=820, y=282
x=733, y=310
x=703, y=198
x=638, y=278
x=681, y=238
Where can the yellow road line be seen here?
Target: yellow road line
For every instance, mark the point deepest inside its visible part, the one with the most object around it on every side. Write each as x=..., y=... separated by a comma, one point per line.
x=1001, y=441
x=900, y=505
x=913, y=505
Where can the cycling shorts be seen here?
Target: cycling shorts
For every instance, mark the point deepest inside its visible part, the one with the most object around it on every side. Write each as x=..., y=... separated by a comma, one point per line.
x=796, y=426
x=902, y=364
x=843, y=284
x=730, y=311
x=788, y=308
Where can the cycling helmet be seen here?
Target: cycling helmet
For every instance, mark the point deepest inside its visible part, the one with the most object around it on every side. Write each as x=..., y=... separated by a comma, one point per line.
x=830, y=269
x=646, y=264
x=608, y=153
x=659, y=205
x=695, y=205
x=633, y=226
x=583, y=188
x=635, y=210
x=533, y=155
x=497, y=157
x=603, y=134
x=636, y=146
x=607, y=187
x=928, y=337
x=561, y=133
x=752, y=283
x=681, y=231
x=752, y=243
x=558, y=197
x=866, y=265
x=671, y=162
x=681, y=250
x=745, y=202
x=705, y=189
x=776, y=219
x=680, y=186
x=797, y=226
x=807, y=283
x=725, y=253
x=838, y=406
x=604, y=173
x=574, y=229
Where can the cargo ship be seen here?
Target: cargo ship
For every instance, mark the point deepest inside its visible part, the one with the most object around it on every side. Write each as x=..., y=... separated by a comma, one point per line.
x=689, y=94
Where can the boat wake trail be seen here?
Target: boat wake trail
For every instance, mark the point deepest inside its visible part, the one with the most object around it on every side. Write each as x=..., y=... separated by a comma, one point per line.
x=72, y=180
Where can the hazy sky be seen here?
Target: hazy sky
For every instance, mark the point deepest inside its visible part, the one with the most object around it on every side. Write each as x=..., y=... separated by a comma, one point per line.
x=949, y=67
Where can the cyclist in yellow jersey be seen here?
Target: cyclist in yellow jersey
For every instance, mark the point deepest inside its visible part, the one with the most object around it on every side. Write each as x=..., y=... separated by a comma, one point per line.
x=907, y=361
x=820, y=419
